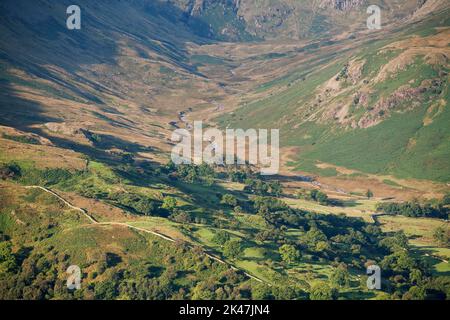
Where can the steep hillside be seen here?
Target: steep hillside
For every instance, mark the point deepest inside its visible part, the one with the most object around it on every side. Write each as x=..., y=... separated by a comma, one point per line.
x=240, y=20
x=381, y=108
x=124, y=78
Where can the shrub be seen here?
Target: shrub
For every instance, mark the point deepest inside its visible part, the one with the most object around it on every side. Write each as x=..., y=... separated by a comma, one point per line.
x=229, y=200
x=221, y=237
x=289, y=253
x=232, y=249
x=10, y=171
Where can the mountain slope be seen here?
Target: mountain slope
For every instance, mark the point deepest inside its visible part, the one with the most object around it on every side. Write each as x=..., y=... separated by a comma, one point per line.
x=255, y=19
x=378, y=109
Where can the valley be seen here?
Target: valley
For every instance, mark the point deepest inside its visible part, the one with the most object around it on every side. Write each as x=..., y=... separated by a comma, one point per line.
x=86, y=176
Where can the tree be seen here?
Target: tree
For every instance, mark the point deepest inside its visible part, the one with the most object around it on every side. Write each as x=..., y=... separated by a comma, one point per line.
x=442, y=236
x=322, y=246
x=146, y=206
x=180, y=216
x=232, y=249
x=340, y=276
x=261, y=291
x=169, y=203
x=289, y=254
x=322, y=198
x=303, y=194
x=221, y=237
x=7, y=259
x=319, y=196
x=128, y=158
x=275, y=188
x=415, y=293
x=369, y=194
x=322, y=291
x=415, y=276
x=203, y=291
x=229, y=200
x=106, y=290
x=314, y=236
x=446, y=200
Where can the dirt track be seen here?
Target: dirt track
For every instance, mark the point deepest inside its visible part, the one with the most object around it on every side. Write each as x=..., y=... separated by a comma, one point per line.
x=112, y=223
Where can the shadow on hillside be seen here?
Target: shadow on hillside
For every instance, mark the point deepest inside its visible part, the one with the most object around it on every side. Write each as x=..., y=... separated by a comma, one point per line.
x=43, y=39
x=293, y=178
x=20, y=113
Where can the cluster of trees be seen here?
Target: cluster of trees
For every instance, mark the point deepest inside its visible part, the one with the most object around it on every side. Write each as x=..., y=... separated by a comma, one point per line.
x=325, y=237
x=347, y=243
x=191, y=173
x=407, y=277
x=240, y=175
x=289, y=253
x=431, y=209
x=263, y=188
x=220, y=237
x=442, y=236
x=231, y=247
x=314, y=195
x=254, y=183
x=141, y=204
x=323, y=291
x=40, y=273
x=229, y=200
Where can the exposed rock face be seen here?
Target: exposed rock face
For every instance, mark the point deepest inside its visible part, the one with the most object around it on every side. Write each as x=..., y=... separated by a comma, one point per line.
x=239, y=19
x=406, y=95
x=342, y=4
x=197, y=7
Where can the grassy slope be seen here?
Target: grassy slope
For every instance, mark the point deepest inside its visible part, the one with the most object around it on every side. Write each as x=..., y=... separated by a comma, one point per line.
x=383, y=148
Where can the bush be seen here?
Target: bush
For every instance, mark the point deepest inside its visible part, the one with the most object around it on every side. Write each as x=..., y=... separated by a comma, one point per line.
x=139, y=203
x=221, y=237
x=289, y=253
x=322, y=291
x=442, y=236
x=319, y=196
x=229, y=200
x=169, y=203
x=10, y=171
x=232, y=249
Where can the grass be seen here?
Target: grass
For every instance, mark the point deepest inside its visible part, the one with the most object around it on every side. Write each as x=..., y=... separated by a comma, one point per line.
x=357, y=208
x=21, y=139
x=384, y=148
x=392, y=183
x=401, y=145
x=260, y=114
x=203, y=59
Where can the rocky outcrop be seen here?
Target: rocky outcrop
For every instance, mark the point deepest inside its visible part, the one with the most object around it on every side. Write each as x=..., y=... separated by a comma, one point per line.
x=342, y=5
x=405, y=96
